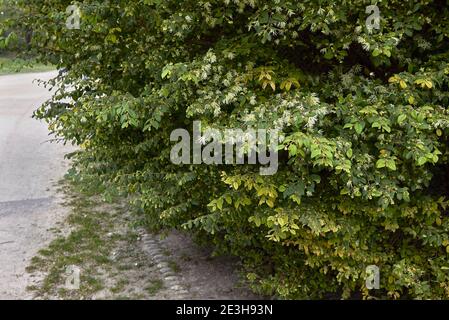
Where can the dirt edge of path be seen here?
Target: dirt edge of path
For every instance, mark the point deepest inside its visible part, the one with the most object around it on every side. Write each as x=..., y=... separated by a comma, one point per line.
x=115, y=260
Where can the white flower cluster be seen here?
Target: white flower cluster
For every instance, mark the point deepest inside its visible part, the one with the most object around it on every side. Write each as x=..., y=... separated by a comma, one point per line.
x=210, y=57
x=313, y=100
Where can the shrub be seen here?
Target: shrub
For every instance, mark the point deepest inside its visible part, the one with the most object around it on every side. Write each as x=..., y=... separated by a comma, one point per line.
x=363, y=115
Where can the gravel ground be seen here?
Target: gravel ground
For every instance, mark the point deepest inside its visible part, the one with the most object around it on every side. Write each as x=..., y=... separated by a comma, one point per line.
x=125, y=262
x=198, y=276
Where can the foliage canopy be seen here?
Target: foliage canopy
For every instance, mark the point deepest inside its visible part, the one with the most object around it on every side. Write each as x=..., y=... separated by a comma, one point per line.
x=363, y=115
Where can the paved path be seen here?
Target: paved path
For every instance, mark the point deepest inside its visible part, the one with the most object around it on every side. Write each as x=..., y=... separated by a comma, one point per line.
x=29, y=168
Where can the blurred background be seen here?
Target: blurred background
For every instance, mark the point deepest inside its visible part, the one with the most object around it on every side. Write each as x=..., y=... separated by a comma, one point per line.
x=14, y=41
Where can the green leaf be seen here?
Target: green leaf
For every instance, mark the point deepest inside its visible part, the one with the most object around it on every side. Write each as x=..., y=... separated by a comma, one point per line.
x=328, y=55
x=376, y=52
x=391, y=164
x=165, y=72
x=381, y=163
x=315, y=153
x=401, y=119
x=358, y=127
x=349, y=153
x=421, y=161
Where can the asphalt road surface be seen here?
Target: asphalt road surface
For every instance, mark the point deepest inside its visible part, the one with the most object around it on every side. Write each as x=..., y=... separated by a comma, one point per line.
x=30, y=167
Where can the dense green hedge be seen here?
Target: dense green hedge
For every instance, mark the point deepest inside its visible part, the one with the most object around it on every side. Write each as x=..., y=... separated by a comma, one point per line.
x=364, y=151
